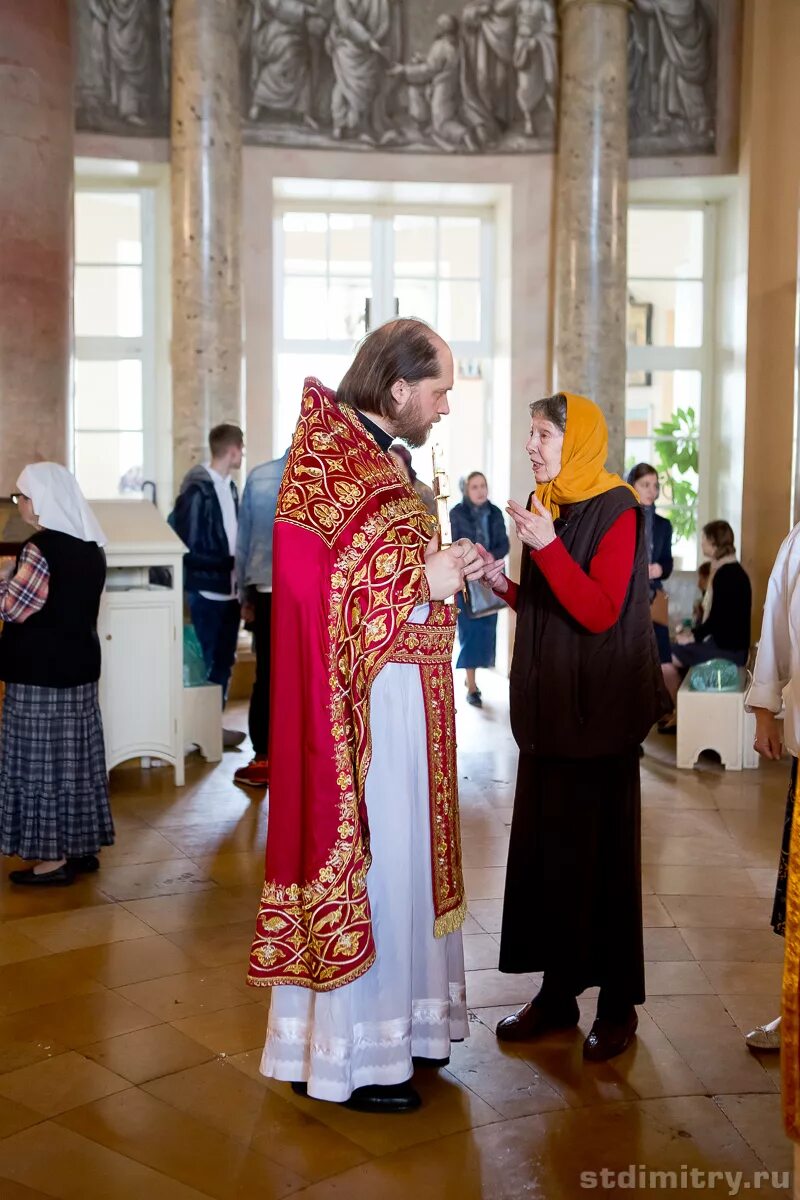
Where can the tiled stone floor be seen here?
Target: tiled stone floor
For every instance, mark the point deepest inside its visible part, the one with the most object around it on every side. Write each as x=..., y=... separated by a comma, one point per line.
x=129, y=1043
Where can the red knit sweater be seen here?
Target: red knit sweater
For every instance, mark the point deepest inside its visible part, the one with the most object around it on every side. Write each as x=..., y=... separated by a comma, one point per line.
x=595, y=599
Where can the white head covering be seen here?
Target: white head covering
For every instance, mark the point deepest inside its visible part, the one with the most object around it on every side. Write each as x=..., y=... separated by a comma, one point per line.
x=59, y=503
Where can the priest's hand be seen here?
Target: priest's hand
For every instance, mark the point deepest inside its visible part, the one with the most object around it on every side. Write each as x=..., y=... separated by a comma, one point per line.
x=472, y=561
x=768, y=741
x=493, y=572
x=534, y=529
x=445, y=572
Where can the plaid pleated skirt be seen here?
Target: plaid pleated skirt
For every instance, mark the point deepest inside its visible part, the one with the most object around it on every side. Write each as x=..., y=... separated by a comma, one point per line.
x=53, y=779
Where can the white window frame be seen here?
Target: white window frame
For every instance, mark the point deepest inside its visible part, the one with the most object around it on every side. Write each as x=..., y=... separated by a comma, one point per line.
x=383, y=299
x=689, y=358
x=101, y=348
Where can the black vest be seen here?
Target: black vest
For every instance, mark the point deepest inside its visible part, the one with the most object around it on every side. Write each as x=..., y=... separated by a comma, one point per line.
x=58, y=646
x=576, y=694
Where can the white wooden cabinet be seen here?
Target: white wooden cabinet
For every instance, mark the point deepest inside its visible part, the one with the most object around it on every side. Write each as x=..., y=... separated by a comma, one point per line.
x=141, y=636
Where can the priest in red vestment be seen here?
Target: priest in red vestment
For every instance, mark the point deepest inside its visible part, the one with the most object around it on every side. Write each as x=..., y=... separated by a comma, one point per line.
x=358, y=932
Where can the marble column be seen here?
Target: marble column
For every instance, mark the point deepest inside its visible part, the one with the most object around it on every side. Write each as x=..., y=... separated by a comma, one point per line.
x=591, y=208
x=206, y=224
x=36, y=220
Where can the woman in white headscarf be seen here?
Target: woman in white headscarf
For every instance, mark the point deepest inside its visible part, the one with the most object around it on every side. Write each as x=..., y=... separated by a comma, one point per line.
x=53, y=782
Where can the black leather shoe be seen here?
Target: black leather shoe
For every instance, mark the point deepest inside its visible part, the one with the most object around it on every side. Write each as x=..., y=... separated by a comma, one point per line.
x=300, y=1088
x=400, y=1097
x=61, y=877
x=609, y=1038
x=535, y=1020
x=435, y=1064
x=86, y=864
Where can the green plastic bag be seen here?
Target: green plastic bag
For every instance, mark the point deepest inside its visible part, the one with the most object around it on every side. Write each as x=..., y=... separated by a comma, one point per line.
x=716, y=675
x=195, y=673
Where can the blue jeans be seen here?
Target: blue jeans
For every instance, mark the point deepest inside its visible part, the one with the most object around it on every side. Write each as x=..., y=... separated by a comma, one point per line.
x=216, y=623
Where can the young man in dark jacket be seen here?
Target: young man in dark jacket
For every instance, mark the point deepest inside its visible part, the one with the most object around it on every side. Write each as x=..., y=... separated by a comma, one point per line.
x=205, y=518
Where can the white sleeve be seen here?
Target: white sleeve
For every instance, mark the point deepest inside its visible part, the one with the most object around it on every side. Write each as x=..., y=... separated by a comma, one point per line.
x=773, y=661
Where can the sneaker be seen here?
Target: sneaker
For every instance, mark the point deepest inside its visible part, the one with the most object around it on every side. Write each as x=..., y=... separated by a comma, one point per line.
x=765, y=1037
x=255, y=774
x=231, y=738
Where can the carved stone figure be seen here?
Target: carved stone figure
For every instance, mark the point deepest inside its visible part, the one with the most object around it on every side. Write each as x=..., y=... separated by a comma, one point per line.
x=358, y=43
x=536, y=60
x=282, y=58
x=129, y=55
x=435, y=88
x=680, y=61
x=489, y=36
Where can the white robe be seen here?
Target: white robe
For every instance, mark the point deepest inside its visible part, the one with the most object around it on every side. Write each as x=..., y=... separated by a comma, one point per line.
x=412, y=1000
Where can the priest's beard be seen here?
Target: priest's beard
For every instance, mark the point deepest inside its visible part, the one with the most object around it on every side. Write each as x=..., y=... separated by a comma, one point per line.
x=411, y=426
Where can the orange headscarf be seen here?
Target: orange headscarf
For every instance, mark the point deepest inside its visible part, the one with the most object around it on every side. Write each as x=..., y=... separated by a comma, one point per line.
x=583, y=473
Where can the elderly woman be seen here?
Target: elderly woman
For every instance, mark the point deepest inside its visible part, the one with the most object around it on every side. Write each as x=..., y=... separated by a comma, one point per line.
x=481, y=522
x=586, y=687
x=53, y=783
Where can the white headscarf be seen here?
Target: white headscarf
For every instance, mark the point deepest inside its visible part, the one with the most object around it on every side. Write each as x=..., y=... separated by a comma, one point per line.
x=59, y=503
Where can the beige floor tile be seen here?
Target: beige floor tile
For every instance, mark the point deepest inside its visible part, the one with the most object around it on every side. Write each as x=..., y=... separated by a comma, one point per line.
x=702, y=1031
x=480, y=951
x=140, y=845
x=246, y=1110
x=670, y=825
x=758, y=1119
x=29, y=984
x=207, y=990
x=545, y=1155
x=653, y=1067
x=18, y=902
x=749, y=1010
x=717, y=851
x=488, y=914
x=15, y=1116
x=763, y=880
x=164, y=878
x=172, y=914
x=676, y=979
x=118, y=963
x=485, y=852
x=217, y=945
x=497, y=1075
x=60, y=1083
x=215, y=837
x=735, y=945
x=17, y=1191
x=86, y=927
x=231, y=1031
x=484, y=883
x=490, y=987
x=147, y=1054
x=665, y=945
x=698, y=881
x=15, y=947
x=191, y=1152
x=84, y=1019
x=706, y=912
x=60, y=1162
x=654, y=914
x=23, y=1043
x=745, y=977
x=230, y=870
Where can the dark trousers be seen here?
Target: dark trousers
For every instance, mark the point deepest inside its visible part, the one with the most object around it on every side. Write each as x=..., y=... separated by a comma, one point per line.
x=258, y=718
x=216, y=623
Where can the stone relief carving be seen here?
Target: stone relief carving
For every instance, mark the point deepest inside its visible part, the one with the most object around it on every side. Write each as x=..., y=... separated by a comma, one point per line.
x=435, y=75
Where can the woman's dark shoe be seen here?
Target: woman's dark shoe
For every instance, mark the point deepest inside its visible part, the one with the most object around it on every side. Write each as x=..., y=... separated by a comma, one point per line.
x=474, y=698
x=300, y=1088
x=60, y=877
x=609, y=1037
x=85, y=864
x=535, y=1020
x=435, y=1064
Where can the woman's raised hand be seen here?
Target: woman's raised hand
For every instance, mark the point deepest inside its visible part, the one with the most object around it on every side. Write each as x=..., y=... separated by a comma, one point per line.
x=534, y=529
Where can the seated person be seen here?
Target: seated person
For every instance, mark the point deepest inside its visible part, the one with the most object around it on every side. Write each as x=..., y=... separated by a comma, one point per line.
x=724, y=628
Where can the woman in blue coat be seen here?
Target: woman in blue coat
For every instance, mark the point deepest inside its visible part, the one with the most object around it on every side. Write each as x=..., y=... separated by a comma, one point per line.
x=658, y=533
x=483, y=523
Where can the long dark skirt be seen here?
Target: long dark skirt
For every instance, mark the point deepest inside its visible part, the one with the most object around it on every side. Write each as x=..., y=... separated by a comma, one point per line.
x=779, y=906
x=53, y=779
x=573, y=900
x=477, y=637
